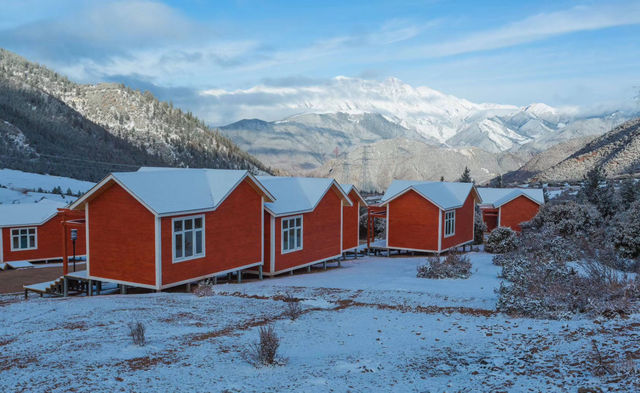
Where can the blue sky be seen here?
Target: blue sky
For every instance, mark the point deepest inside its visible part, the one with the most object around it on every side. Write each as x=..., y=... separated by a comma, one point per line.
x=563, y=53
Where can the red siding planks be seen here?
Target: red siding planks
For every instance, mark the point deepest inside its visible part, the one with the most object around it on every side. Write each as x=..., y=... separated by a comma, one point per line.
x=350, y=223
x=517, y=211
x=412, y=223
x=233, y=238
x=49, y=242
x=121, y=238
x=321, y=235
x=464, y=224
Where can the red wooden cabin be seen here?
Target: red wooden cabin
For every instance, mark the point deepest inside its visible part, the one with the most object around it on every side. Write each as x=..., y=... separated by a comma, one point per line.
x=351, y=218
x=509, y=207
x=303, y=226
x=162, y=227
x=429, y=216
x=33, y=232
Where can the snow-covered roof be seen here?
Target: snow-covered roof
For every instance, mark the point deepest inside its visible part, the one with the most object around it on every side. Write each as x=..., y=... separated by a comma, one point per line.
x=347, y=188
x=497, y=197
x=297, y=194
x=177, y=190
x=445, y=195
x=20, y=214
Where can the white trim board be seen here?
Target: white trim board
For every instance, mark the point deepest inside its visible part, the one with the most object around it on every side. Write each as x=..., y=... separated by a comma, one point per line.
x=158, y=250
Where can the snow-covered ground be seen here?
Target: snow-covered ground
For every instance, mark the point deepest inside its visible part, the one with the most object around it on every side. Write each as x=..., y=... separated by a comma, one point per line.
x=369, y=326
x=15, y=187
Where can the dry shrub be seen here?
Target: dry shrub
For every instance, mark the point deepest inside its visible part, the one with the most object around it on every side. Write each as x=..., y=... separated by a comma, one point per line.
x=265, y=351
x=501, y=240
x=612, y=364
x=136, y=331
x=292, y=307
x=453, y=265
x=550, y=289
x=204, y=288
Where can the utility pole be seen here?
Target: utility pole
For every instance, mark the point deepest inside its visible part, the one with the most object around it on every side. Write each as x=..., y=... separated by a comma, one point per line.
x=364, y=180
x=345, y=171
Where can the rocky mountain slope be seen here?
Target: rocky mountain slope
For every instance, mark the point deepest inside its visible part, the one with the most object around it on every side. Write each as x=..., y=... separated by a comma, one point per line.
x=403, y=158
x=545, y=160
x=348, y=112
x=109, y=123
x=617, y=152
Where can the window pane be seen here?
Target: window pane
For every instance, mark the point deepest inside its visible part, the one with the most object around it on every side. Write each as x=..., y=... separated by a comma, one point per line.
x=23, y=231
x=177, y=226
x=298, y=237
x=23, y=242
x=298, y=221
x=178, y=246
x=285, y=240
x=14, y=232
x=198, y=241
x=285, y=224
x=32, y=241
x=292, y=239
x=32, y=231
x=188, y=224
x=16, y=242
x=188, y=244
x=198, y=223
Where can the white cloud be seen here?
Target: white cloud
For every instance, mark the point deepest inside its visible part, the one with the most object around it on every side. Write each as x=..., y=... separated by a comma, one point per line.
x=536, y=27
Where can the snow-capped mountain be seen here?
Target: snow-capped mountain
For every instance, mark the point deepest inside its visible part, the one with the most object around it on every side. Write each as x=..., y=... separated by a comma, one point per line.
x=317, y=121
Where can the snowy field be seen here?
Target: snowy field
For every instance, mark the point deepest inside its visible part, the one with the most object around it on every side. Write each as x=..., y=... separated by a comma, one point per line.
x=369, y=326
x=16, y=183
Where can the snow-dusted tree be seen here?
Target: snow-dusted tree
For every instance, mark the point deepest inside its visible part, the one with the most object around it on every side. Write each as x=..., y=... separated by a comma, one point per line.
x=545, y=194
x=591, y=185
x=466, y=176
x=626, y=231
x=567, y=219
x=628, y=192
x=606, y=200
x=501, y=240
x=479, y=227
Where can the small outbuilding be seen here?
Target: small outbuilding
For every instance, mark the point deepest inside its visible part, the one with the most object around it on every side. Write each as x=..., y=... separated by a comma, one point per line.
x=304, y=225
x=429, y=216
x=509, y=207
x=162, y=227
x=351, y=218
x=34, y=232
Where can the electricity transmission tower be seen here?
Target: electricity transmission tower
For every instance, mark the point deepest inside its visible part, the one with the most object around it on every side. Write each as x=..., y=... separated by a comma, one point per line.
x=365, y=183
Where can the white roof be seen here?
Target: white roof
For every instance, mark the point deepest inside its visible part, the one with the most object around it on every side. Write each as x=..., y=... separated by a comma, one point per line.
x=445, y=195
x=497, y=197
x=176, y=190
x=20, y=214
x=296, y=194
x=349, y=187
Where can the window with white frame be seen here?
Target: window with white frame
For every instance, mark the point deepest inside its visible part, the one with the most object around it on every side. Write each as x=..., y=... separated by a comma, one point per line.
x=449, y=223
x=24, y=239
x=291, y=234
x=188, y=238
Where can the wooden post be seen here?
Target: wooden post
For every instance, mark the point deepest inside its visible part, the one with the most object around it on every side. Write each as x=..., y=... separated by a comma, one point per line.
x=123, y=289
x=65, y=290
x=90, y=288
x=215, y=280
x=26, y=294
x=65, y=255
x=260, y=272
x=324, y=265
x=188, y=287
x=309, y=269
x=239, y=276
x=291, y=272
x=99, y=287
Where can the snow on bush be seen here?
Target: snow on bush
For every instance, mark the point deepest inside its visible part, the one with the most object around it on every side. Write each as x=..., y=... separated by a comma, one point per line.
x=453, y=265
x=204, y=288
x=292, y=307
x=567, y=219
x=479, y=227
x=264, y=352
x=136, y=331
x=625, y=231
x=501, y=240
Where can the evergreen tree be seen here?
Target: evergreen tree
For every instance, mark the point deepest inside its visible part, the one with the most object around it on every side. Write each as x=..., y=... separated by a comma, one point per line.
x=545, y=194
x=591, y=185
x=606, y=200
x=628, y=192
x=466, y=176
x=441, y=178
